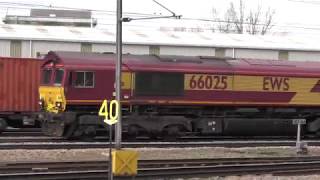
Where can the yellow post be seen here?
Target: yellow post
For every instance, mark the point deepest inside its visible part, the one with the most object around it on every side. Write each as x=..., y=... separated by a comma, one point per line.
x=124, y=163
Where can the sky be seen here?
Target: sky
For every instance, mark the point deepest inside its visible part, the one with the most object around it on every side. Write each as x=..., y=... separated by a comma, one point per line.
x=290, y=15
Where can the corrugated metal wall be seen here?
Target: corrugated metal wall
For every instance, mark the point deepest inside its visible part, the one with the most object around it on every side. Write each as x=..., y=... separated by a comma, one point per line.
x=44, y=47
x=19, y=82
x=26, y=49
x=187, y=51
x=103, y=48
x=86, y=47
x=304, y=56
x=15, y=48
x=256, y=53
x=5, y=48
x=135, y=49
x=154, y=50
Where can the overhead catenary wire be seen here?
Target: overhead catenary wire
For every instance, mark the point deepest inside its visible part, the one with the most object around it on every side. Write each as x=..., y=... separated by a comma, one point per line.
x=27, y=6
x=146, y=15
x=304, y=1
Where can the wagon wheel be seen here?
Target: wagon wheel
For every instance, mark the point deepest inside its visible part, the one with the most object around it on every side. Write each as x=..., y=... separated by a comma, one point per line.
x=3, y=125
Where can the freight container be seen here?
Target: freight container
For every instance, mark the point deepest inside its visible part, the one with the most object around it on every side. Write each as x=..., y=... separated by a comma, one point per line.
x=19, y=97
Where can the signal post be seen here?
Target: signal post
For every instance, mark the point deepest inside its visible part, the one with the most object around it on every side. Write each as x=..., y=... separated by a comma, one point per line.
x=124, y=162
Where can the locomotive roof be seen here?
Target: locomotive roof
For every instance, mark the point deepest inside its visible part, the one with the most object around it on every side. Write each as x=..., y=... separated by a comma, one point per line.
x=195, y=64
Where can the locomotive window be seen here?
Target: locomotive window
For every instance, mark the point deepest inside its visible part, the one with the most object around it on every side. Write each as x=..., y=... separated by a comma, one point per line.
x=79, y=82
x=46, y=76
x=88, y=79
x=159, y=84
x=58, y=77
x=84, y=79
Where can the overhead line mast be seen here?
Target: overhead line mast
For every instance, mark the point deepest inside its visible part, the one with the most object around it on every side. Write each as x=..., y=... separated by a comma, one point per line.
x=118, y=133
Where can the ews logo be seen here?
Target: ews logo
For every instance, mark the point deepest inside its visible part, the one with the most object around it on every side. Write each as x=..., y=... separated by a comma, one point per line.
x=276, y=84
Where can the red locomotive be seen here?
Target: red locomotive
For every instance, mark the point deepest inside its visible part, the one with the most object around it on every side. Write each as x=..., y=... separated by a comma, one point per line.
x=172, y=95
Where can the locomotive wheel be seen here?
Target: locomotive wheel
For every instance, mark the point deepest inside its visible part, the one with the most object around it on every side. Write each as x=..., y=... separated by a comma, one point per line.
x=69, y=131
x=133, y=132
x=52, y=129
x=153, y=135
x=89, y=133
x=171, y=133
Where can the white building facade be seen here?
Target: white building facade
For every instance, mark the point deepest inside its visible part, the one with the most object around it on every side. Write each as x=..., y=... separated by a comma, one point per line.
x=35, y=41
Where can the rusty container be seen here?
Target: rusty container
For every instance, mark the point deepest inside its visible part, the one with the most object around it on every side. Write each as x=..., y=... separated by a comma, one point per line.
x=19, y=83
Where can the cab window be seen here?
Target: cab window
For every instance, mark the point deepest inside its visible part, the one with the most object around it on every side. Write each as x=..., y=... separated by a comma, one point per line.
x=46, y=76
x=84, y=79
x=58, y=77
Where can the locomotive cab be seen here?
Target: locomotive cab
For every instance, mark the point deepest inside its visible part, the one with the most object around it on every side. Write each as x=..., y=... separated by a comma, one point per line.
x=52, y=97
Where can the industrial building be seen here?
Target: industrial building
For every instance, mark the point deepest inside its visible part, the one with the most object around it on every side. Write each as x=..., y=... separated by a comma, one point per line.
x=22, y=37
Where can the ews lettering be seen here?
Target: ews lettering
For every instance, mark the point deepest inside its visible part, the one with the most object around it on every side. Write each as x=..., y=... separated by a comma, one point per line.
x=276, y=84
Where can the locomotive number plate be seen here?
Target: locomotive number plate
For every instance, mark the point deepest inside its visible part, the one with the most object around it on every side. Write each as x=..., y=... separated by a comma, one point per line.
x=206, y=82
x=298, y=121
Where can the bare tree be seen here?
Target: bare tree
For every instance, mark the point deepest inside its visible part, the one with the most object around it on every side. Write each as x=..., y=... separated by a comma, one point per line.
x=253, y=21
x=236, y=21
x=226, y=25
x=267, y=21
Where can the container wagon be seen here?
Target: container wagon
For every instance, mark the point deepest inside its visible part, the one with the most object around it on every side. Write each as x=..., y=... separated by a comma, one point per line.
x=19, y=97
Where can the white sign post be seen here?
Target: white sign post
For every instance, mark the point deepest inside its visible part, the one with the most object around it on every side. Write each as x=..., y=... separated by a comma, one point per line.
x=300, y=145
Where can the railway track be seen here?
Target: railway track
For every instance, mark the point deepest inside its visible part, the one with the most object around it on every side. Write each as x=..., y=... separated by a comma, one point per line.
x=62, y=144
x=164, y=168
x=19, y=132
x=32, y=138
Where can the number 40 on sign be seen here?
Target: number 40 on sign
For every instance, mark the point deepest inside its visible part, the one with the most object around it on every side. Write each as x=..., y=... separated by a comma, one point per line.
x=111, y=112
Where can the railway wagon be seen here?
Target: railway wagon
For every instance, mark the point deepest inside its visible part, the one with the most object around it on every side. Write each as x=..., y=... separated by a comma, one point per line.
x=171, y=96
x=19, y=97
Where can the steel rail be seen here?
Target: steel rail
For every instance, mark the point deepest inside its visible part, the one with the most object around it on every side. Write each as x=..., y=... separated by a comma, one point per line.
x=229, y=169
x=60, y=144
x=163, y=168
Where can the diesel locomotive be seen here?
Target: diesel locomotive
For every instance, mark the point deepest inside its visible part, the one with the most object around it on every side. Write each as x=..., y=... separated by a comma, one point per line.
x=169, y=96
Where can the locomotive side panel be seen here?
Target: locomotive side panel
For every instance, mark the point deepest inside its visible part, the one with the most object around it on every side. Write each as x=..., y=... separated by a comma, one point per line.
x=308, y=91
x=89, y=86
x=208, y=88
x=251, y=90
x=102, y=87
